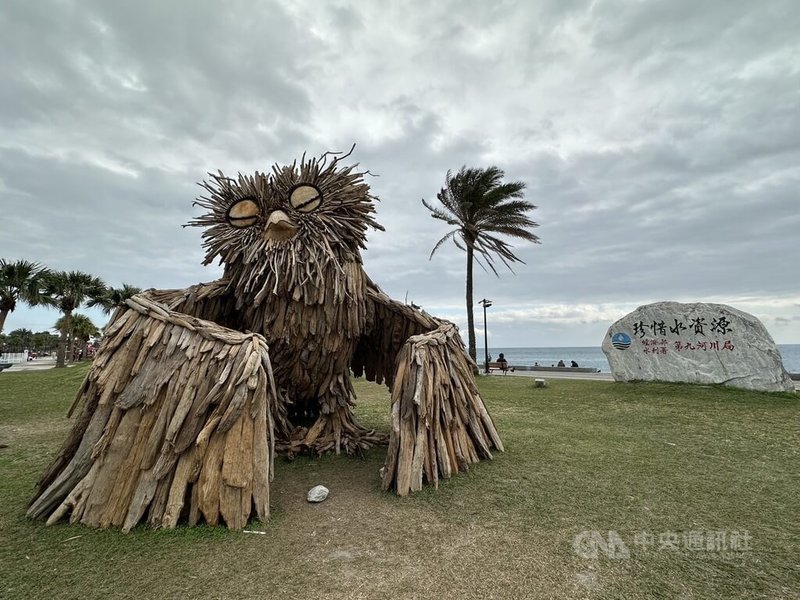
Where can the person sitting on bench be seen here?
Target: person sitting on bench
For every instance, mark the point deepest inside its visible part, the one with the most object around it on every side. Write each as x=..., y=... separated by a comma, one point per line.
x=502, y=364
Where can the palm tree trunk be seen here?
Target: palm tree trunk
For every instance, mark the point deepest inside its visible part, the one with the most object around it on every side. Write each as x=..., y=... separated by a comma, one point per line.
x=71, y=352
x=470, y=316
x=62, y=341
x=3, y=315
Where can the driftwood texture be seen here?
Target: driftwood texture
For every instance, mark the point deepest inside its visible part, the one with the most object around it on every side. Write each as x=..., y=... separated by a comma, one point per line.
x=439, y=422
x=182, y=412
x=176, y=420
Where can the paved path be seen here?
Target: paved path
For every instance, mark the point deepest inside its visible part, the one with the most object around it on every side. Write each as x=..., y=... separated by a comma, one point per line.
x=557, y=375
x=585, y=376
x=38, y=364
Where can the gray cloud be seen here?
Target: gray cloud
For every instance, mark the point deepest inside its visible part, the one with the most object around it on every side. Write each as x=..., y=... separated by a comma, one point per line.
x=659, y=141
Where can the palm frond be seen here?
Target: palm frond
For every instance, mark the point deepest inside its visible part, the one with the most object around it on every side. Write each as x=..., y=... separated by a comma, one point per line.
x=20, y=280
x=442, y=241
x=482, y=207
x=438, y=213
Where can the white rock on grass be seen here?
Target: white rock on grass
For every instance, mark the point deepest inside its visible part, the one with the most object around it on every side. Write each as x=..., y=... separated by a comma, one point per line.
x=695, y=343
x=318, y=493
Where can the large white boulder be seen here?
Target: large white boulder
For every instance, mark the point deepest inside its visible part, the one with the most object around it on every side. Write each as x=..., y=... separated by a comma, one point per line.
x=695, y=343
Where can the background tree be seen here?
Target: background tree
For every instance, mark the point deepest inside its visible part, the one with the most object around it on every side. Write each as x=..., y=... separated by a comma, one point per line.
x=19, y=340
x=44, y=341
x=20, y=281
x=81, y=330
x=67, y=292
x=114, y=297
x=480, y=206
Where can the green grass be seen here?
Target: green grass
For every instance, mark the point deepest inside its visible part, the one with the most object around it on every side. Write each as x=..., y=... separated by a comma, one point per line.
x=580, y=456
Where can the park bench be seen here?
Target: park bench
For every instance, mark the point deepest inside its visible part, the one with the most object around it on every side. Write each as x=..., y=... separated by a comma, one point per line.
x=500, y=366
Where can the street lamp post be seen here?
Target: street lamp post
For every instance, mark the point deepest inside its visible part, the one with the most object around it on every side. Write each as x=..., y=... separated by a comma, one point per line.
x=486, y=304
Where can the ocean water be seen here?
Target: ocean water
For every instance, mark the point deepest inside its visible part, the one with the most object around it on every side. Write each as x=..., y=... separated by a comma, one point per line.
x=593, y=357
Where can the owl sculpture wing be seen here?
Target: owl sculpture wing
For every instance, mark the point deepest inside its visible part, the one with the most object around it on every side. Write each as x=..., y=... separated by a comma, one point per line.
x=439, y=423
x=176, y=418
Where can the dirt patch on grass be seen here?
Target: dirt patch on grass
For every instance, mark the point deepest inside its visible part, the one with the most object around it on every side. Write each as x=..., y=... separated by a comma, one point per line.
x=19, y=433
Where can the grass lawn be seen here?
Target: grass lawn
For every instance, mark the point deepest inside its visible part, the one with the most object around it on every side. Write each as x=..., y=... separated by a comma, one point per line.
x=667, y=468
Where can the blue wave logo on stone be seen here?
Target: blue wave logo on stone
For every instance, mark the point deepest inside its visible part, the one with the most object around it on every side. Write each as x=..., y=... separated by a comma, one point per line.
x=621, y=341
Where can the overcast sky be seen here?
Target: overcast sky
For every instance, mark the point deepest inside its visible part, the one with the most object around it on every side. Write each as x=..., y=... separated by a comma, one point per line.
x=659, y=140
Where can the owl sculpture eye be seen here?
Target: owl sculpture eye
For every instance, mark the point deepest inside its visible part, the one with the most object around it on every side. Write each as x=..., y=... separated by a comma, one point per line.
x=305, y=197
x=243, y=213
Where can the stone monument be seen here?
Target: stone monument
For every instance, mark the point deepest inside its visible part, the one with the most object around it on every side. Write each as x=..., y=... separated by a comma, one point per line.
x=695, y=343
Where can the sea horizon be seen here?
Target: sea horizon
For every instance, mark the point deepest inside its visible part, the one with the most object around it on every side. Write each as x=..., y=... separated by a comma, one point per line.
x=591, y=346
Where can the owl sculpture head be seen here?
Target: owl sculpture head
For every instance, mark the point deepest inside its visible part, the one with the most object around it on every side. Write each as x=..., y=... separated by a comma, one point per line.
x=289, y=229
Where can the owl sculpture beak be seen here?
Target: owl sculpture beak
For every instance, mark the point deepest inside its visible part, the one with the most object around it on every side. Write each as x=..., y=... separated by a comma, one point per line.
x=279, y=227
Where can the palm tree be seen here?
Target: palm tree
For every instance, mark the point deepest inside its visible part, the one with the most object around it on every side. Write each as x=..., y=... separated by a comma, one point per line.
x=20, y=281
x=114, y=297
x=81, y=329
x=67, y=292
x=479, y=205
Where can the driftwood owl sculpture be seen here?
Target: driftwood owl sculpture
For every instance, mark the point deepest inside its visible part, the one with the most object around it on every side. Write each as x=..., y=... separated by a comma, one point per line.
x=193, y=391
